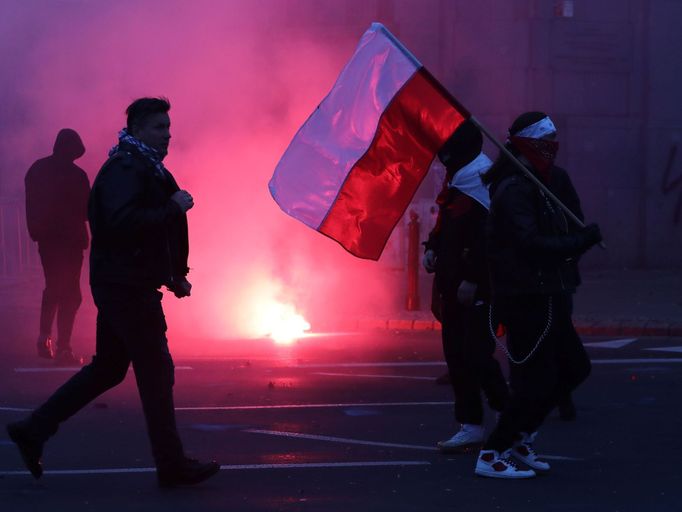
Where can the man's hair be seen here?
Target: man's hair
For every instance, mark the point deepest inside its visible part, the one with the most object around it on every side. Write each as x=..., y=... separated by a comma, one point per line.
x=145, y=107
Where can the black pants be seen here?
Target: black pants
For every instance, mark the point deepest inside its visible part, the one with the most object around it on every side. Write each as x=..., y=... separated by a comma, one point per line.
x=131, y=327
x=62, y=294
x=557, y=367
x=468, y=349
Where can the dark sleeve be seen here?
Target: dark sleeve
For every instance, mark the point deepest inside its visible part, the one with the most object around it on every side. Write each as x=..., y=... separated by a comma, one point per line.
x=519, y=206
x=474, y=265
x=565, y=191
x=36, y=203
x=119, y=190
x=433, y=242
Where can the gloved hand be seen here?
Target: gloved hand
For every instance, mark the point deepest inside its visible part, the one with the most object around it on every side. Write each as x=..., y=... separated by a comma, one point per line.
x=590, y=235
x=181, y=288
x=429, y=261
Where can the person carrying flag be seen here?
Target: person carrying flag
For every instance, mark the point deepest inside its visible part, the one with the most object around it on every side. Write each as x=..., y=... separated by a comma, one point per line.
x=455, y=252
x=532, y=253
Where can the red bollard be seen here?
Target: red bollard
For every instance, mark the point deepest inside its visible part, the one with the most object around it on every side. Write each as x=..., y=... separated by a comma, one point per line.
x=412, y=303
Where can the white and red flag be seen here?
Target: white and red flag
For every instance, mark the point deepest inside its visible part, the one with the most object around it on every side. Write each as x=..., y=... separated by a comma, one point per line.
x=353, y=167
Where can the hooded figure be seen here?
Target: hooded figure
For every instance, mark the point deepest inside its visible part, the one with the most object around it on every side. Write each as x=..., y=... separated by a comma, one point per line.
x=456, y=252
x=57, y=192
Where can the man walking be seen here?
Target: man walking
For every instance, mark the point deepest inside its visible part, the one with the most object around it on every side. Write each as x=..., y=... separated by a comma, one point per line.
x=138, y=220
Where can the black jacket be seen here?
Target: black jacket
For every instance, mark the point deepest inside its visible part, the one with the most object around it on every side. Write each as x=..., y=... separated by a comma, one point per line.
x=532, y=246
x=459, y=243
x=139, y=235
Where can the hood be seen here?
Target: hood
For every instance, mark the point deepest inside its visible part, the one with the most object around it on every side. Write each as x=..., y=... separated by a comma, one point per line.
x=68, y=145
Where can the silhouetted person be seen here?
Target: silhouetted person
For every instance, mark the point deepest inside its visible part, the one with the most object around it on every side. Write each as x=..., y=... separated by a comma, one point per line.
x=56, y=212
x=138, y=221
x=456, y=252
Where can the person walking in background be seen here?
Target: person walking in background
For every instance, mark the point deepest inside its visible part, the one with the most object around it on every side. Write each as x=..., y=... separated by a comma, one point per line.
x=138, y=219
x=455, y=251
x=56, y=213
x=532, y=254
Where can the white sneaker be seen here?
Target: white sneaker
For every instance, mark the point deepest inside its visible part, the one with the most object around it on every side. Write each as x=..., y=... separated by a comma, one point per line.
x=523, y=452
x=492, y=464
x=468, y=436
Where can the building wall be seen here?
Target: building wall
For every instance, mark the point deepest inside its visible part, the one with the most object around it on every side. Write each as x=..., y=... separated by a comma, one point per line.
x=610, y=76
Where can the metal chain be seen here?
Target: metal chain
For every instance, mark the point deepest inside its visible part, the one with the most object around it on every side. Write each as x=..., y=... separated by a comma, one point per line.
x=537, y=344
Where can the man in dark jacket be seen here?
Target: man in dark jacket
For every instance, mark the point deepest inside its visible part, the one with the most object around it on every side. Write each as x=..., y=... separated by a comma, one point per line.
x=56, y=211
x=139, y=243
x=456, y=252
x=532, y=251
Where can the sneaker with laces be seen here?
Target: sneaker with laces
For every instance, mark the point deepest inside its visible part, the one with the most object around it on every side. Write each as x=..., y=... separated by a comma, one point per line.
x=66, y=358
x=45, y=348
x=186, y=472
x=469, y=436
x=492, y=464
x=523, y=452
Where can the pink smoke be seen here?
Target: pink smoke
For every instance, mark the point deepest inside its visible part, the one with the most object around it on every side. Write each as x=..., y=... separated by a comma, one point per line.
x=241, y=76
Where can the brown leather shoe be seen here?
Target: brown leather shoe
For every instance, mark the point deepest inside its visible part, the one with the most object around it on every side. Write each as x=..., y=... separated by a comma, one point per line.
x=31, y=450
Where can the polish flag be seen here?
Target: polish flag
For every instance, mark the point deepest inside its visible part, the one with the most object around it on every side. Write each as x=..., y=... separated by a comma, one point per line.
x=353, y=167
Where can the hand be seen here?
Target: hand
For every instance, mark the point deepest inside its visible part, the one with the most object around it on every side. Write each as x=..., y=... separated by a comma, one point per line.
x=429, y=261
x=181, y=288
x=183, y=199
x=466, y=293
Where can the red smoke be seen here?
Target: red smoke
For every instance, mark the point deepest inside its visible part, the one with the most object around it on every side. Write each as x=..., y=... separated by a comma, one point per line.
x=241, y=76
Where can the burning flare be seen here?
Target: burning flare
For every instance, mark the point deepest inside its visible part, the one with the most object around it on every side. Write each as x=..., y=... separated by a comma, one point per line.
x=283, y=324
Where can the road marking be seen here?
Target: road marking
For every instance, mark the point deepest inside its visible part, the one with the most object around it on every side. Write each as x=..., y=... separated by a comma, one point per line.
x=666, y=349
x=344, y=440
x=307, y=406
x=650, y=360
x=56, y=369
x=611, y=344
x=15, y=409
x=374, y=376
x=233, y=467
x=370, y=365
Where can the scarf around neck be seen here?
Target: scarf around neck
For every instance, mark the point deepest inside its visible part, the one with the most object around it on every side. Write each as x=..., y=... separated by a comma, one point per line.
x=150, y=153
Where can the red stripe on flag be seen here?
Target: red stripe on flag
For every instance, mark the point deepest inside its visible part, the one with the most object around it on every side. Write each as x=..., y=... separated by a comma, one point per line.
x=380, y=186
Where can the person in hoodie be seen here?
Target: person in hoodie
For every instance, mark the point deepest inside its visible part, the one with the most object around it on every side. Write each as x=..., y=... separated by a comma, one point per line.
x=455, y=251
x=533, y=249
x=56, y=213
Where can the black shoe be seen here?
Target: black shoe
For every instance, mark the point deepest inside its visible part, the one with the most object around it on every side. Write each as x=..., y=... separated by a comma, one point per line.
x=31, y=450
x=187, y=472
x=66, y=358
x=45, y=347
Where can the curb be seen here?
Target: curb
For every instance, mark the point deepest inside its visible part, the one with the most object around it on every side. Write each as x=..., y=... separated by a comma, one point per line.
x=584, y=327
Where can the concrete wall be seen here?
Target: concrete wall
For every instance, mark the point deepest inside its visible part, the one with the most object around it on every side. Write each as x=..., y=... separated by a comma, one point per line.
x=609, y=73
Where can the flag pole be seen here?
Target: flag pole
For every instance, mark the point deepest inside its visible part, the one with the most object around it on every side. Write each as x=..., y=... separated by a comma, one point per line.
x=531, y=176
x=527, y=172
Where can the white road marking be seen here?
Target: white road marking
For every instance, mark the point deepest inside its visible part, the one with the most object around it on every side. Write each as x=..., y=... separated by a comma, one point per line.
x=14, y=409
x=378, y=364
x=374, y=376
x=666, y=349
x=343, y=440
x=233, y=467
x=307, y=406
x=651, y=360
x=611, y=344
x=56, y=369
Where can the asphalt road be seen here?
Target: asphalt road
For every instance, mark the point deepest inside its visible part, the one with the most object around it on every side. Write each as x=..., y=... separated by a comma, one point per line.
x=350, y=422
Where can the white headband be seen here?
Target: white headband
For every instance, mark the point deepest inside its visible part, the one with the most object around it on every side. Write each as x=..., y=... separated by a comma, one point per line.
x=543, y=127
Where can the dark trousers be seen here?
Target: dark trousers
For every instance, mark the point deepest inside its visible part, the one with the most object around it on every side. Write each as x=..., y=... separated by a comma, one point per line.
x=131, y=327
x=62, y=294
x=468, y=348
x=557, y=367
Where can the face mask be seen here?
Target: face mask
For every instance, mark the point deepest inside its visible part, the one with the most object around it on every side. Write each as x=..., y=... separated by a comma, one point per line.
x=539, y=152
